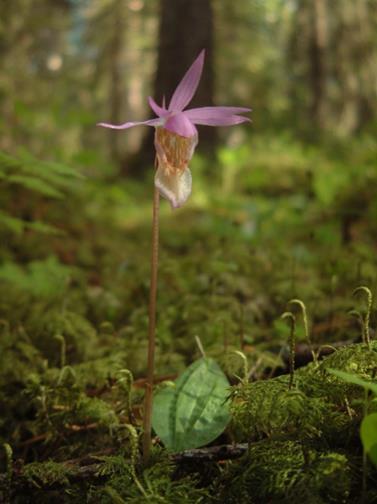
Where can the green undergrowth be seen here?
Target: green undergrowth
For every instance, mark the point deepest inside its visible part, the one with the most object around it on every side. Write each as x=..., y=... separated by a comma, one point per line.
x=111, y=480
x=289, y=472
x=319, y=406
x=303, y=442
x=274, y=220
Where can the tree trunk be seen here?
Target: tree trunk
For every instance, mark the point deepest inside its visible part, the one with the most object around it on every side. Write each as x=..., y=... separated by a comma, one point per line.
x=116, y=93
x=317, y=62
x=186, y=27
x=355, y=64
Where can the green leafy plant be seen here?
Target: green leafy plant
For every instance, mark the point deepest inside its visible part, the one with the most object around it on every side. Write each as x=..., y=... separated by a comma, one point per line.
x=193, y=411
x=368, y=428
x=176, y=137
x=368, y=434
x=31, y=181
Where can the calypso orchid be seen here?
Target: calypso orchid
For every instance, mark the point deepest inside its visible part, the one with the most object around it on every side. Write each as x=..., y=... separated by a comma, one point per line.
x=175, y=140
x=176, y=135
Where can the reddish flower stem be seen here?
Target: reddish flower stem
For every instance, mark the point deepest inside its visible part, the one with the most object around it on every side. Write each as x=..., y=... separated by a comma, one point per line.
x=151, y=331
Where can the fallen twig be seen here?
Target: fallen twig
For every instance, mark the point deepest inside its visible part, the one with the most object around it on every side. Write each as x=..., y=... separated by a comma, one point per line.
x=210, y=454
x=89, y=467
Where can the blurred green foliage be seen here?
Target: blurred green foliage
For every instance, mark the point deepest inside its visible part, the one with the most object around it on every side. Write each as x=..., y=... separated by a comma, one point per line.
x=75, y=313
x=285, y=209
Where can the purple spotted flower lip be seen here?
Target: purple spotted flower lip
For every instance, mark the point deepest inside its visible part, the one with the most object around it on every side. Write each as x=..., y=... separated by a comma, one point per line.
x=176, y=135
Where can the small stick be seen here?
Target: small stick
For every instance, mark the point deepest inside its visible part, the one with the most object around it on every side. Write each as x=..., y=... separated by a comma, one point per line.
x=147, y=438
x=210, y=454
x=199, y=344
x=292, y=318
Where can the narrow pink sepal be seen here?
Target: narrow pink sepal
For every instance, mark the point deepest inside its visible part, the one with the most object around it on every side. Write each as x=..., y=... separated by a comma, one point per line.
x=217, y=116
x=159, y=111
x=181, y=125
x=202, y=112
x=225, y=121
x=186, y=88
x=150, y=122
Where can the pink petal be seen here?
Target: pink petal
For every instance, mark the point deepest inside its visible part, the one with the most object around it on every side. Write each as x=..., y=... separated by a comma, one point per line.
x=159, y=111
x=150, y=122
x=188, y=85
x=225, y=121
x=217, y=116
x=181, y=125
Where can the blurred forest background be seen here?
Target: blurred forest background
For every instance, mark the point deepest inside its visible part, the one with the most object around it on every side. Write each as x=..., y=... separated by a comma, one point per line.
x=284, y=206
x=307, y=67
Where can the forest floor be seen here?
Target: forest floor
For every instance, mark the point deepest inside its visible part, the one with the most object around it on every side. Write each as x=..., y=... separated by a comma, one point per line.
x=267, y=223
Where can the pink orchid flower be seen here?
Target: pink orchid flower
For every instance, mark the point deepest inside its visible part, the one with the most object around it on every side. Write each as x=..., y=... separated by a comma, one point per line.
x=176, y=135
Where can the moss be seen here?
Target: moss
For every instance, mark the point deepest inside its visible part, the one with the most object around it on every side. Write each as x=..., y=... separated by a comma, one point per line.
x=113, y=465
x=319, y=404
x=296, y=436
x=321, y=411
x=269, y=408
x=301, y=440
x=79, y=335
x=18, y=357
x=99, y=372
x=88, y=410
x=47, y=473
x=154, y=485
x=288, y=472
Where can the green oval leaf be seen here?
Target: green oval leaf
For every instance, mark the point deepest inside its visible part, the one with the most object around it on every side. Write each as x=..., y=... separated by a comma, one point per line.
x=368, y=433
x=194, y=411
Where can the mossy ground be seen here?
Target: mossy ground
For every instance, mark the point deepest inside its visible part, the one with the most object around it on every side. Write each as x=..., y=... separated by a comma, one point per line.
x=74, y=321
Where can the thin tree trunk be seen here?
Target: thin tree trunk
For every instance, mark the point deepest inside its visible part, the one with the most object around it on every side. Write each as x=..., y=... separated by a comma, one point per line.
x=116, y=94
x=354, y=64
x=318, y=62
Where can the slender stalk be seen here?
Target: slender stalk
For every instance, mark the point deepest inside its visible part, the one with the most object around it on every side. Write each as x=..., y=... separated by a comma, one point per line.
x=151, y=331
x=292, y=344
x=302, y=306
